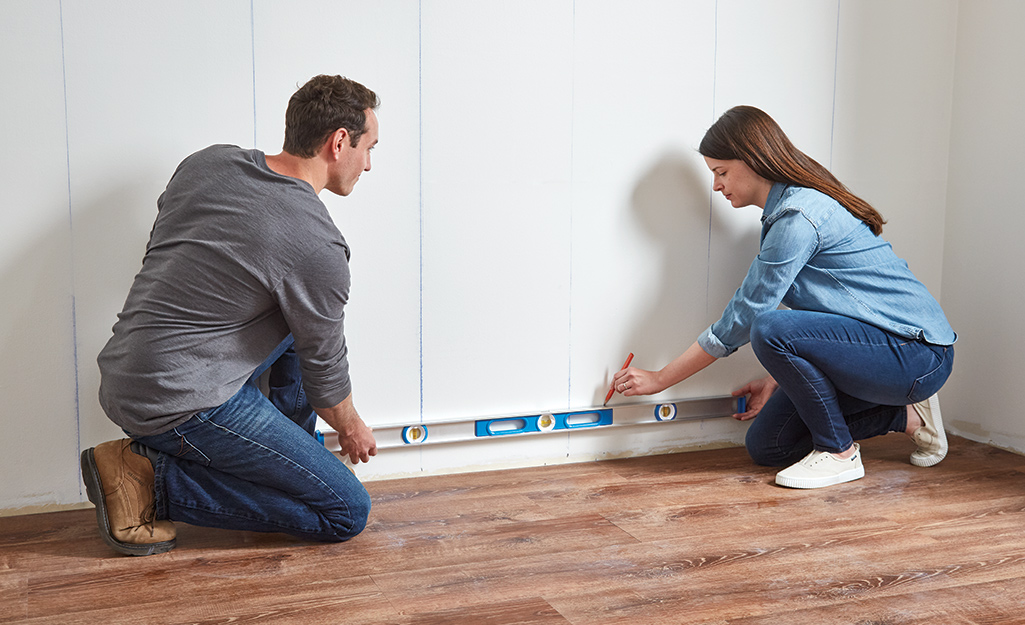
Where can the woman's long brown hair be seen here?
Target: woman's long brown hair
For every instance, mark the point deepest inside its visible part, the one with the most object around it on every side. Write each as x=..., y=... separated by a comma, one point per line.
x=748, y=134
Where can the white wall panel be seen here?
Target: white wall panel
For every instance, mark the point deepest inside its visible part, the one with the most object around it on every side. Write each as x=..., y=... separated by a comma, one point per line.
x=39, y=446
x=640, y=194
x=377, y=45
x=895, y=73
x=497, y=97
x=983, y=259
x=148, y=83
x=781, y=57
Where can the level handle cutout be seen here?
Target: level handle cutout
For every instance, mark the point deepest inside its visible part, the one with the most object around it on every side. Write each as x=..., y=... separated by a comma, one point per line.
x=583, y=419
x=498, y=427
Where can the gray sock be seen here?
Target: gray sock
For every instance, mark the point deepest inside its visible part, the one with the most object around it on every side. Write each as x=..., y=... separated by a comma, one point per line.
x=146, y=452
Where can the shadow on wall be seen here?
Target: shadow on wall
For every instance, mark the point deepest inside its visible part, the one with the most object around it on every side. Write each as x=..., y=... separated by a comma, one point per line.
x=671, y=202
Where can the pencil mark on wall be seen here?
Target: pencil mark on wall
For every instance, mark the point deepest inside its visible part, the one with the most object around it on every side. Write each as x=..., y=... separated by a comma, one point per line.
x=711, y=194
x=836, y=69
x=572, y=143
x=74, y=314
x=420, y=173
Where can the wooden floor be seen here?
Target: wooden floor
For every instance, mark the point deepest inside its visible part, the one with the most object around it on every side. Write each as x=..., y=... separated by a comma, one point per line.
x=702, y=537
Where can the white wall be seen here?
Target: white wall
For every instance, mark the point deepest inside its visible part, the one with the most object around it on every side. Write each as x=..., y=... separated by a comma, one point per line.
x=38, y=409
x=536, y=208
x=983, y=259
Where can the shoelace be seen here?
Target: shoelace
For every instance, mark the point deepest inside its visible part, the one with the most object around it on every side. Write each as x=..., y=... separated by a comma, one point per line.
x=148, y=518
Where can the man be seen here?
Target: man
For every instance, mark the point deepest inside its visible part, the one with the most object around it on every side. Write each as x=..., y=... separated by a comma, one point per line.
x=244, y=273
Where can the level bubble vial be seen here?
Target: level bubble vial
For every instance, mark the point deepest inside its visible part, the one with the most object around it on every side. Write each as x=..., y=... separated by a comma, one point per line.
x=665, y=412
x=414, y=434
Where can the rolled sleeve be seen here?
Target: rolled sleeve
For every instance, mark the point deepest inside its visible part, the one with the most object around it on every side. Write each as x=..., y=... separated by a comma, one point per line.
x=712, y=345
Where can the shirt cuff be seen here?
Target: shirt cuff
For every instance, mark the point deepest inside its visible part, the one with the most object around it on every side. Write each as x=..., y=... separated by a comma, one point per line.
x=712, y=345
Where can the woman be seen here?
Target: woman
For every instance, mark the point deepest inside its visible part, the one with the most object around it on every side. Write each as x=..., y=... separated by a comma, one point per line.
x=863, y=348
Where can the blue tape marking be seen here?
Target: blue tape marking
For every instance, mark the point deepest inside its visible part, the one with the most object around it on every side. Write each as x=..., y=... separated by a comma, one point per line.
x=320, y=436
x=741, y=404
x=529, y=424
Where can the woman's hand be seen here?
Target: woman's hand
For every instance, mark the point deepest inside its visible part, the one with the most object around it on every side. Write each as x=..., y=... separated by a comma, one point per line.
x=758, y=392
x=633, y=381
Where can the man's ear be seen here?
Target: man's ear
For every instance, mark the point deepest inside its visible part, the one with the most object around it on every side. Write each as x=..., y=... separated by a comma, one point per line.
x=337, y=142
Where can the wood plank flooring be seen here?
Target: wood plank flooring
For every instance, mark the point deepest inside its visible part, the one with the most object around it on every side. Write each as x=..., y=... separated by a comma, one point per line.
x=701, y=537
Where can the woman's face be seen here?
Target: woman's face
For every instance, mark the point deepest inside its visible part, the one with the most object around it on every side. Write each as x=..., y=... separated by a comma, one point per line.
x=738, y=183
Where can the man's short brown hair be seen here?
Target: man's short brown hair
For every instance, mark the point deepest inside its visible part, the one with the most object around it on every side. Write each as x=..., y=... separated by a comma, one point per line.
x=320, y=107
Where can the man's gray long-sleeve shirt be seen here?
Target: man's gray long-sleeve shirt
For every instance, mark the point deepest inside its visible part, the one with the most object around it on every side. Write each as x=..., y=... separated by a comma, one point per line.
x=239, y=257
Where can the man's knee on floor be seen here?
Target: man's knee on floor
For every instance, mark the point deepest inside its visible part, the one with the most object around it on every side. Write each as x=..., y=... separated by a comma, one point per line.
x=352, y=518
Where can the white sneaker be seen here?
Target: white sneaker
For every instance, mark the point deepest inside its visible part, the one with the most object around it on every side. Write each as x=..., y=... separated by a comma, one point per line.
x=930, y=438
x=821, y=468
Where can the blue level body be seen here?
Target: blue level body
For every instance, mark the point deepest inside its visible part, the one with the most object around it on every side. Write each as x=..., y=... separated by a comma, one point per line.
x=543, y=422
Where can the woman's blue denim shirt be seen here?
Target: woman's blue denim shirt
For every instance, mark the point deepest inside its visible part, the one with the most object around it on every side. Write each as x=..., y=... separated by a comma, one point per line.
x=815, y=255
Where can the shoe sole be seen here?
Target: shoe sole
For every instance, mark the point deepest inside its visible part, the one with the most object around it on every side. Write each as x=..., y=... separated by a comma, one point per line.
x=928, y=461
x=94, y=489
x=821, y=482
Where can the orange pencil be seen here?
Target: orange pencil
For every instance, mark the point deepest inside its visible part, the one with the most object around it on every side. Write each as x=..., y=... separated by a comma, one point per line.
x=612, y=388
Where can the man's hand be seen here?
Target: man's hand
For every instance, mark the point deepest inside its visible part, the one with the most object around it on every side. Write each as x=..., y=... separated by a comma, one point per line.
x=759, y=391
x=355, y=437
x=358, y=442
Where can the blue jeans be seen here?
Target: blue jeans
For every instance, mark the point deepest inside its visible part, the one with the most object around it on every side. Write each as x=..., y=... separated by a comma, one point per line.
x=253, y=463
x=839, y=379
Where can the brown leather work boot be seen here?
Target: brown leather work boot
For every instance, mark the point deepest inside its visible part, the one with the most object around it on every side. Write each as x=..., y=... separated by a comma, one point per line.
x=120, y=483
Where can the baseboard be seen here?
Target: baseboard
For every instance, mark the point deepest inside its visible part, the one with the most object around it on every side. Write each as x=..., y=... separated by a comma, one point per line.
x=43, y=509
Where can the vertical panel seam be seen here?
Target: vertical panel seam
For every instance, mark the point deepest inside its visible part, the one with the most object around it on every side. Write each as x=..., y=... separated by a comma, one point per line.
x=71, y=235
x=420, y=190
x=836, y=73
x=420, y=183
x=711, y=194
x=252, y=38
x=572, y=203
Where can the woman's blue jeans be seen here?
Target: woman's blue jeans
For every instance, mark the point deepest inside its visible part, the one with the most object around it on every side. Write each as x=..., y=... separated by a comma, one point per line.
x=840, y=380
x=253, y=463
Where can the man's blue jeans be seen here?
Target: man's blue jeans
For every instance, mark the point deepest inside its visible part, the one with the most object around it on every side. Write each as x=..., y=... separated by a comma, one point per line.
x=253, y=463
x=839, y=379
